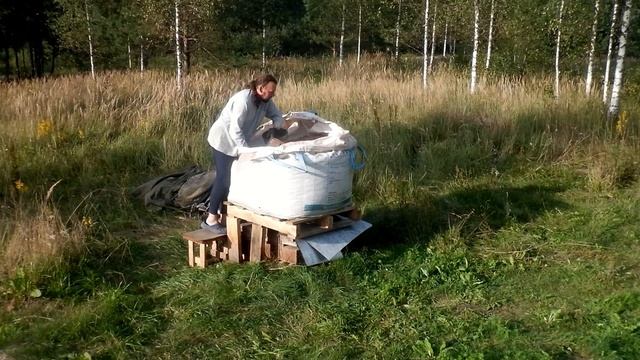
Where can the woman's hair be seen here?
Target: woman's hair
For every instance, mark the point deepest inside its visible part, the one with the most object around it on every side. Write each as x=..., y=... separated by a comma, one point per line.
x=261, y=80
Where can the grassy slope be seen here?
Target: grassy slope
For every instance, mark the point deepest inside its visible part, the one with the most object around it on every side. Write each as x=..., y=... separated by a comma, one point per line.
x=492, y=238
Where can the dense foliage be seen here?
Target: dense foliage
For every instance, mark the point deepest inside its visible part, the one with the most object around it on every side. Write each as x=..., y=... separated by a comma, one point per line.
x=38, y=37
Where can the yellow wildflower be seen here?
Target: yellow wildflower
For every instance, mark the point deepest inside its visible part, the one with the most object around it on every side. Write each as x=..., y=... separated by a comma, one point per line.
x=20, y=186
x=45, y=126
x=87, y=221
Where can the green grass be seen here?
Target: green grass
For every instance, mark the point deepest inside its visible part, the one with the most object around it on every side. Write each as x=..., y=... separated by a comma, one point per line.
x=506, y=225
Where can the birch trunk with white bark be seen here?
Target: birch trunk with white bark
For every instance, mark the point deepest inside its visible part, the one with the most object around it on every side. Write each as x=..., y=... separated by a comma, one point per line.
x=425, y=45
x=592, y=48
x=444, y=46
x=359, y=30
x=474, y=56
x=129, y=53
x=607, y=68
x=614, y=106
x=264, y=41
x=486, y=65
x=342, y=34
x=86, y=11
x=398, y=29
x=141, y=56
x=433, y=36
x=556, y=89
x=178, y=62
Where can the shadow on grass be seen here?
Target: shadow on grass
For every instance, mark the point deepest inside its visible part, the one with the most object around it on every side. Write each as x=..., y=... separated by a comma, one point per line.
x=470, y=210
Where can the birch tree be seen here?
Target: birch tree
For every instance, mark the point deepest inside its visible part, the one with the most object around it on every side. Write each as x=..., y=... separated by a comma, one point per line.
x=342, y=34
x=425, y=44
x=556, y=88
x=264, y=40
x=612, y=31
x=474, y=56
x=486, y=66
x=178, y=62
x=592, y=48
x=141, y=56
x=398, y=29
x=622, y=47
x=433, y=36
x=129, y=53
x=444, y=44
x=359, y=29
x=86, y=10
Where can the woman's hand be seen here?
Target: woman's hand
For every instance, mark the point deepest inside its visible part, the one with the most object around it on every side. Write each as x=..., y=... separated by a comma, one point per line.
x=275, y=142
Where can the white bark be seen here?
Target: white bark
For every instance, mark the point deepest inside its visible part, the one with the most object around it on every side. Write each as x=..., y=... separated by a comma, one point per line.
x=556, y=89
x=178, y=62
x=86, y=11
x=129, y=53
x=592, y=49
x=444, y=46
x=342, y=34
x=474, y=57
x=425, y=45
x=614, y=106
x=141, y=56
x=612, y=31
x=486, y=65
x=264, y=41
x=359, y=30
x=398, y=28
x=433, y=36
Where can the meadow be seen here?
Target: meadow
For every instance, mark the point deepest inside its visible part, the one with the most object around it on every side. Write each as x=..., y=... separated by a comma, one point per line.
x=506, y=223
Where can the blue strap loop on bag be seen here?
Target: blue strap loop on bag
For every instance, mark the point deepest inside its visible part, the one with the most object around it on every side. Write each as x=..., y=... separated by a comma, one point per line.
x=352, y=158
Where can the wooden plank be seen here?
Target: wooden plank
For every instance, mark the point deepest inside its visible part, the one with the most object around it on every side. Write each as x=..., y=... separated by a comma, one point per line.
x=306, y=230
x=203, y=256
x=190, y=250
x=257, y=239
x=201, y=236
x=266, y=221
x=233, y=233
x=326, y=222
x=289, y=254
x=315, y=217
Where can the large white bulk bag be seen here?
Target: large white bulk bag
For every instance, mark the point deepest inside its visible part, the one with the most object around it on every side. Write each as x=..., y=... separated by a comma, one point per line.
x=299, y=178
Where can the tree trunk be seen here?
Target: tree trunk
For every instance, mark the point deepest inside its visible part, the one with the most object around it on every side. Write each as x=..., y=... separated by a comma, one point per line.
x=486, y=66
x=556, y=89
x=129, y=52
x=178, y=60
x=186, y=50
x=141, y=56
x=444, y=46
x=612, y=31
x=592, y=49
x=17, y=58
x=7, y=64
x=425, y=45
x=359, y=29
x=433, y=36
x=264, y=39
x=614, y=107
x=398, y=29
x=474, y=56
x=86, y=11
x=32, y=60
x=342, y=34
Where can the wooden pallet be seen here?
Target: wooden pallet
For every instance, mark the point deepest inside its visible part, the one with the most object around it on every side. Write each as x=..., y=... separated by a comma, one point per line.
x=271, y=238
x=299, y=228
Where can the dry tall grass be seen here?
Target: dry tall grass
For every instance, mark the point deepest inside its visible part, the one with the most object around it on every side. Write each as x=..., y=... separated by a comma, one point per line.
x=54, y=126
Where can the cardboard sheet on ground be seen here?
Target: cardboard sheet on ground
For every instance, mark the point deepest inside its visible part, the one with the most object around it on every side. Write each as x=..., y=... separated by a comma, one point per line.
x=328, y=246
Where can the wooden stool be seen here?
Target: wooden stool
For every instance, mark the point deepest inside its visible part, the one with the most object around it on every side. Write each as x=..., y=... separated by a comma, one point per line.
x=209, y=250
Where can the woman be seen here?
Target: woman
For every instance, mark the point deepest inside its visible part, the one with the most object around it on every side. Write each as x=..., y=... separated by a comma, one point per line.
x=235, y=126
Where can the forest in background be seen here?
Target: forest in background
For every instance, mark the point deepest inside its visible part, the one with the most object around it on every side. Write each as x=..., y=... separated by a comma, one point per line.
x=68, y=36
